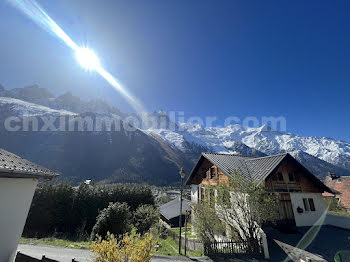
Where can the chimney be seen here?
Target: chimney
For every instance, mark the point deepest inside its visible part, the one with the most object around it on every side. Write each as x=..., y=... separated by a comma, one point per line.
x=333, y=176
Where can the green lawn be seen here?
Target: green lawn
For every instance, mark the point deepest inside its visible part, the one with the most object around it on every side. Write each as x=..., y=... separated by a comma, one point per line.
x=55, y=242
x=167, y=246
x=170, y=247
x=339, y=213
x=188, y=230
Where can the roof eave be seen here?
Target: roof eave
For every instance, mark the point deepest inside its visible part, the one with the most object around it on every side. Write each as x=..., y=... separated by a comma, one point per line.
x=8, y=173
x=193, y=169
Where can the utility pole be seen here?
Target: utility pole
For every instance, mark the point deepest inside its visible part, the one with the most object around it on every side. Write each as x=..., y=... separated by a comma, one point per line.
x=182, y=175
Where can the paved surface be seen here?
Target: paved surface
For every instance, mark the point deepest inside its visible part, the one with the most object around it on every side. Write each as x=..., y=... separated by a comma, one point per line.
x=58, y=253
x=326, y=242
x=297, y=254
x=83, y=255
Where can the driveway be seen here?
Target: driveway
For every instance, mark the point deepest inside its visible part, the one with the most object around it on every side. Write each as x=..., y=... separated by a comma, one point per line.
x=82, y=255
x=58, y=253
x=326, y=242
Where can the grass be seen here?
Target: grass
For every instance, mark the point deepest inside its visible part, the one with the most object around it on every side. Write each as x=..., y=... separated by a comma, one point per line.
x=339, y=213
x=167, y=246
x=170, y=247
x=188, y=230
x=55, y=242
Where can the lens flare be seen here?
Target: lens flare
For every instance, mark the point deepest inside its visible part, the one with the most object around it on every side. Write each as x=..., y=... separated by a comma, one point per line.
x=85, y=56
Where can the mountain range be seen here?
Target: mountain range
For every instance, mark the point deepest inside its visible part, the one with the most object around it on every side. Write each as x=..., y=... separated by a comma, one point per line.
x=151, y=154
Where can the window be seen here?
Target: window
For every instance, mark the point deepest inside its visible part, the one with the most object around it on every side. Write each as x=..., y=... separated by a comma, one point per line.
x=280, y=176
x=212, y=172
x=309, y=204
x=212, y=197
x=291, y=177
x=202, y=193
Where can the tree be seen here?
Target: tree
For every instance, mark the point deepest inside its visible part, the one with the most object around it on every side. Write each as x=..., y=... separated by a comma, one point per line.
x=206, y=222
x=243, y=206
x=116, y=219
x=145, y=217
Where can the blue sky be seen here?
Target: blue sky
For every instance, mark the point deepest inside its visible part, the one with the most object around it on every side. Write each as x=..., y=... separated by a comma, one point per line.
x=206, y=58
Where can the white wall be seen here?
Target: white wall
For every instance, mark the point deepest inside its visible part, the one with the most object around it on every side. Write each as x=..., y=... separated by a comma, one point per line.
x=194, y=194
x=307, y=218
x=16, y=195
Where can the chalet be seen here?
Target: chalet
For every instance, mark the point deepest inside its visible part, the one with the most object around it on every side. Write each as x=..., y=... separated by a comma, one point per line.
x=300, y=192
x=18, y=180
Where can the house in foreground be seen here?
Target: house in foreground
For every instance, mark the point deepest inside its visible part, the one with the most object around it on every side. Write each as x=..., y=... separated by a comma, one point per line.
x=18, y=180
x=170, y=212
x=300, y=192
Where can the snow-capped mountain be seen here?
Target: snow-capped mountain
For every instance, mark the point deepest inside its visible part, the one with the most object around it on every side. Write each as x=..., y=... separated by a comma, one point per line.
x=183, y=142
x=23, y=109
x=263, y=139
x=41, y=96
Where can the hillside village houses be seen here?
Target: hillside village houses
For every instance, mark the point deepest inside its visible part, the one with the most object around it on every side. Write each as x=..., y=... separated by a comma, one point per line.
x=341, y=188
x=18, y=180
x=300, y=192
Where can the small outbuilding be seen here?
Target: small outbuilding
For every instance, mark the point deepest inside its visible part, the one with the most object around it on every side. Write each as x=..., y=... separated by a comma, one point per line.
x=170, y=212
x=18, y=180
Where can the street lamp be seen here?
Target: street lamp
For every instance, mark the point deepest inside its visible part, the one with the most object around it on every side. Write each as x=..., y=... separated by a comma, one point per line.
x=182, y=175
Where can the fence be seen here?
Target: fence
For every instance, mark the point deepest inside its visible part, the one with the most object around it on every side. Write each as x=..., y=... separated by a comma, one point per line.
x=25, y=258
x=232, y=247
x=191, y=244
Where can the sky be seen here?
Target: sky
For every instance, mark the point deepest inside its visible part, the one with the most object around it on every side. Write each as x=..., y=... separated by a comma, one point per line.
x=204, y=58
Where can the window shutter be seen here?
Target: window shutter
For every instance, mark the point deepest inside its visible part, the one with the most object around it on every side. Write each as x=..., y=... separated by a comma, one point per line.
x=312, y=205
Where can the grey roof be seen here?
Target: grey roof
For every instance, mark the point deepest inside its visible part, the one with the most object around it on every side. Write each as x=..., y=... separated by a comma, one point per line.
x=172, y=209
x=14, y=166
x=256, y=168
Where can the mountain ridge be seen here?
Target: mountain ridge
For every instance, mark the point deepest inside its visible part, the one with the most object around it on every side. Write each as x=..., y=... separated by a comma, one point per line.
x=179, y=144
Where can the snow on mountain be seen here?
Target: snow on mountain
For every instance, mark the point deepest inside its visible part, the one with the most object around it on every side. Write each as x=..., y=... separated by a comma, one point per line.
x=263, y=139
x=187, y=138
x=317, y=166
x=23, y=108
x=67, y=101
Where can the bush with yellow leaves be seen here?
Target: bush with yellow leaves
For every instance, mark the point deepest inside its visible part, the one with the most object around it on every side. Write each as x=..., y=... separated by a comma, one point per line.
x=132, y=248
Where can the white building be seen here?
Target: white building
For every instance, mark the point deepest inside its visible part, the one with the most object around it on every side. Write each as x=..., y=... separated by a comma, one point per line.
x=18, y=180
x=300, y=192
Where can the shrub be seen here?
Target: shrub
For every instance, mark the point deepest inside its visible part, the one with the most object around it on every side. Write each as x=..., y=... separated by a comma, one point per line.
x=145, y=217
x=334, y=204
x=116, y=218
x=132, y=248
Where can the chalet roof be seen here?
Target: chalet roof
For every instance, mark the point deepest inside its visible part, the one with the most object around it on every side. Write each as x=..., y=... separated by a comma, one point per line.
x=256, y=168
x=13, y=166
x=172, y=209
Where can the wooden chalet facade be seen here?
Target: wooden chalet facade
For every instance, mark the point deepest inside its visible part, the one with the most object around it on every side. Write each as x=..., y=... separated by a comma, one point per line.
x=300, y=192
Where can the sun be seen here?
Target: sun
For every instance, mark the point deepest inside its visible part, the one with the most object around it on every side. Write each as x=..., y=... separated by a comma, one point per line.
x=87, y=58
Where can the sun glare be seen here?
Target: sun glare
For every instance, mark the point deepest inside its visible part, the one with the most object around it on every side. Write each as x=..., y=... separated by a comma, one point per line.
x=87, y=58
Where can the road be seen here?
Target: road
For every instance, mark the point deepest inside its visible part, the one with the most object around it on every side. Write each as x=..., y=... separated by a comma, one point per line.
x=82, y=255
